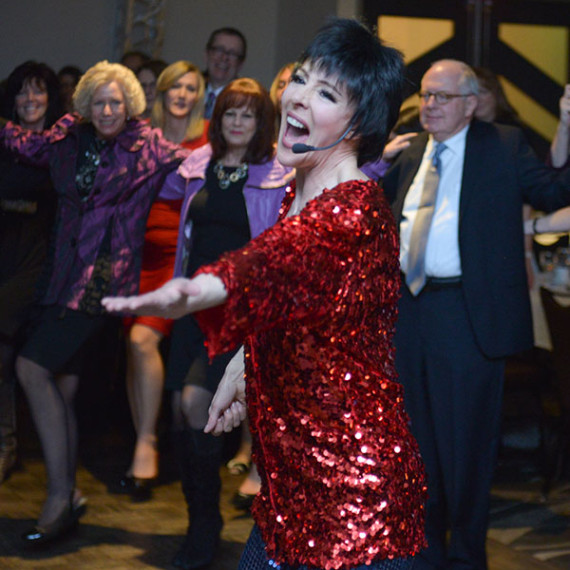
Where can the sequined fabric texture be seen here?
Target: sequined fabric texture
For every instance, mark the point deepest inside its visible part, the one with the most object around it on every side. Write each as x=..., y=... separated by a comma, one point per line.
x=315, y=299
x=254, y=557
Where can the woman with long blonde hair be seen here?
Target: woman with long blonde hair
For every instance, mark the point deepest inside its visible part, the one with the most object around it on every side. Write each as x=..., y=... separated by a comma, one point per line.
x=178, y=111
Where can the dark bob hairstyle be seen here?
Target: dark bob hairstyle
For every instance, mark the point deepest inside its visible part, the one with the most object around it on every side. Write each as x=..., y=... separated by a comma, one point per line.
x=371, y=72
x=39, y=74
x=245, y=92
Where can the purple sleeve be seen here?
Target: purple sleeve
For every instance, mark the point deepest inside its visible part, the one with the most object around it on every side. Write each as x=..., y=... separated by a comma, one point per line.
x=377, y=169
x=173, y=188
x=30, y=146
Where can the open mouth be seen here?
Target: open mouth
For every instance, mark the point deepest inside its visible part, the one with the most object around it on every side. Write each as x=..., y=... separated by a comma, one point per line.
x=295, y=131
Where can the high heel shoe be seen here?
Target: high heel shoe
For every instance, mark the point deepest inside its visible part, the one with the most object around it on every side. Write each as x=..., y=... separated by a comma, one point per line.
x=62, y=525
x=140, y=489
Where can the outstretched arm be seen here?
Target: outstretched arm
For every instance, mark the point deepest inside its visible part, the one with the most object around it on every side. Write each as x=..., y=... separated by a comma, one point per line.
x=560, y=147
x=228, y=408
x=174, y=299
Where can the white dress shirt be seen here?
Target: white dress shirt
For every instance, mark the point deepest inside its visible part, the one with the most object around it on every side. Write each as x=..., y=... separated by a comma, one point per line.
x=442, y=250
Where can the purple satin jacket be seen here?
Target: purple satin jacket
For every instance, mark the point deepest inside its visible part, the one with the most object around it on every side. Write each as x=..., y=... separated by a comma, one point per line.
x=132, y=169
x=263, y=192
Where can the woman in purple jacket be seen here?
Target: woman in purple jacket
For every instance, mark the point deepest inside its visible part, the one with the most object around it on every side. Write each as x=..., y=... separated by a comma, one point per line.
x=106, y=167
x=233, y=191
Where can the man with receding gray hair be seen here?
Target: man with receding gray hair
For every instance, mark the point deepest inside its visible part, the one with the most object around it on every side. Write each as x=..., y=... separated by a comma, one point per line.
x=457, y=193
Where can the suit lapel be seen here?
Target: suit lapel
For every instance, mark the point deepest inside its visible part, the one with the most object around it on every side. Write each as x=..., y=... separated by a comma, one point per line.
x=409, y=169
x=473, y=160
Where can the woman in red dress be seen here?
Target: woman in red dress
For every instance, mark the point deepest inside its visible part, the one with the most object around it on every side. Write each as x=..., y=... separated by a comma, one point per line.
x=179, y=112
x=314, y=300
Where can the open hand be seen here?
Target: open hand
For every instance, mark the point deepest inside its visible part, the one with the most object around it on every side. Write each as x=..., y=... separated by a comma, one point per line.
x=397, y=145
x=172, y=300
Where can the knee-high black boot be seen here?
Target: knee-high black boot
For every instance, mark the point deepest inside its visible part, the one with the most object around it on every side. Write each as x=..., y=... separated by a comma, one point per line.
x=199, y=457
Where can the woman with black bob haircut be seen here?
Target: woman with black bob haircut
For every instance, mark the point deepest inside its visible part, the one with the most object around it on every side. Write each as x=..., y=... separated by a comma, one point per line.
x=314, y=301
x=371, y=74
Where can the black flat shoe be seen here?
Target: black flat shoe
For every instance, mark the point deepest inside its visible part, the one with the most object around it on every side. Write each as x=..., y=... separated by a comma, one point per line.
x=65, y=523
x=243, y=501
x=138, y=488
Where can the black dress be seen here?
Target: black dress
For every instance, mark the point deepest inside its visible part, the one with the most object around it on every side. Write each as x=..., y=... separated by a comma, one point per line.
x=27, y=206
x=219, y=224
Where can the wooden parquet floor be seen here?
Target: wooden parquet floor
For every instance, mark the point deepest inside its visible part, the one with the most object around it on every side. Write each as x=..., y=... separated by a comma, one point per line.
x=116, y=532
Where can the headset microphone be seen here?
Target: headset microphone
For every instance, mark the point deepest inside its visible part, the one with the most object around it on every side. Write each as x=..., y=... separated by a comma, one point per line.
x=300, y=148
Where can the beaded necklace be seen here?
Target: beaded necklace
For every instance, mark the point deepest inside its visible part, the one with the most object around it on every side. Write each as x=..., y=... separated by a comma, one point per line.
x=224, y=179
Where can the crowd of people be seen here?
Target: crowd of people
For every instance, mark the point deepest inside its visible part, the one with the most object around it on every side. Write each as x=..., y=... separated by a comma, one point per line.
x=285, y=242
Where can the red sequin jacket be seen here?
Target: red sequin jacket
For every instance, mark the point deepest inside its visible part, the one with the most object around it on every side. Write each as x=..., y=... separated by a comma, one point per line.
x=315, y=300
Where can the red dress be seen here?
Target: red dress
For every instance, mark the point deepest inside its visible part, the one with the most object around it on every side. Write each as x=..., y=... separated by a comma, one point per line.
x=314, y=299
x=159, y=251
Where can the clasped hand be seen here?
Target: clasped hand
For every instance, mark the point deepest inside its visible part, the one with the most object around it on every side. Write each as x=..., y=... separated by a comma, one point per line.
x=228, y=408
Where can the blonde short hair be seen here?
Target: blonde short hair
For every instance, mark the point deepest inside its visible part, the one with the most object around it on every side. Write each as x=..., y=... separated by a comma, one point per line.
x=101, y=74
x=165, y=81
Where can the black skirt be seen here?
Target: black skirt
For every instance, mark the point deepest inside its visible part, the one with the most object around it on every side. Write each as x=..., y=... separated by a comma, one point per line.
x=188, y=362
x=58, y=337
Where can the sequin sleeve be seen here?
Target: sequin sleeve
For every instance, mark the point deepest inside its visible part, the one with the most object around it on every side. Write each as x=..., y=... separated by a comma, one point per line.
x=297, y=270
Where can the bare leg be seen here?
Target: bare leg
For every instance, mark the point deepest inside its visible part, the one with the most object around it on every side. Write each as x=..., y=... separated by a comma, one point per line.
x=51, y=404
x=250, y=486
x=145, y=382
x=241, y=461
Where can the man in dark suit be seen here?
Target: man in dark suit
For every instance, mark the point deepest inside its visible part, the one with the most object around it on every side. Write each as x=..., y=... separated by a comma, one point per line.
x=465, y=303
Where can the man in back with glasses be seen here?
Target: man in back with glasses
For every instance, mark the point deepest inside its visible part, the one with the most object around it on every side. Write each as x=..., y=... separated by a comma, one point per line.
x=457, y=193
x=225, y=53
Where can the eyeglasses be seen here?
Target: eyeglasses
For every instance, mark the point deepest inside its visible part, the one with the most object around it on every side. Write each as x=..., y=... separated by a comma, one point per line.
x=441, y=97
x=219, y=50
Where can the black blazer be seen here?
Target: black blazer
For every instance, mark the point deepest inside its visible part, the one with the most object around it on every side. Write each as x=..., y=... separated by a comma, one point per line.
x=500, y=173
